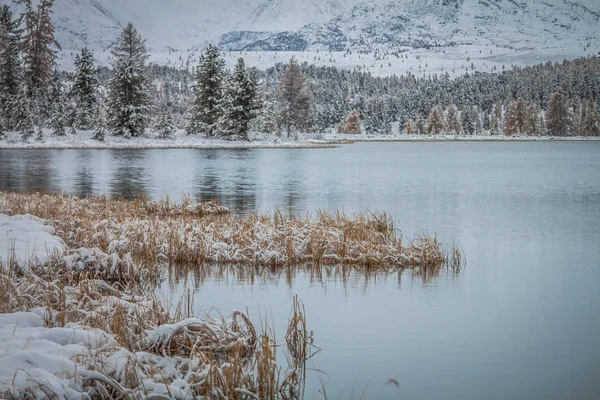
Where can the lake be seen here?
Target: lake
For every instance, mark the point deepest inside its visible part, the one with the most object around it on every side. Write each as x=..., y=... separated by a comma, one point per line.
x=521, y=320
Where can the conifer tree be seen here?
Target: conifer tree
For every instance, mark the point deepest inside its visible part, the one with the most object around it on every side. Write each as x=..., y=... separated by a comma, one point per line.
x=10, y=64
x=435, y=121
x=239, y=104
x=420, y=126
x=22, y=113
x=128, y=98
x=469, y=120
x=99, y=123
x=452, y=120
x=531, y=120
x=40, y=134
x=589, y=120
x=84, y=90
x=352, y=123
x=558, y=115
x=295, y=98
x=267, y=119
x=165, y=126
x=39, y=47
x=206, y=110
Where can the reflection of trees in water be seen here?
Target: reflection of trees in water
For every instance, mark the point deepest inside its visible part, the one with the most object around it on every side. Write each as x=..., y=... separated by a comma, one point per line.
x=28, y=170
x=9, y=177
x=214, y=182
x=129, y=177
x=293, y=182
x=352, y=277
x=84, y=179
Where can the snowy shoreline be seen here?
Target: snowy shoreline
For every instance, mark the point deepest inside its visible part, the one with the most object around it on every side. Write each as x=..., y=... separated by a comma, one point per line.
x=83, y=140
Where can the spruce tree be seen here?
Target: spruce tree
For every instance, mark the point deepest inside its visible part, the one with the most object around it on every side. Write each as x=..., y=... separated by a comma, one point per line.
x=84, y=90
x=39, y=47
x=128, y=98
x=206, y=110
x=240, y=103
x=558, y=115
x=295, y=98
x=164, y=125
x=99, y=124
x=469, y=120
x=10, y=64
x=589, y=120
x=22, y=113
x=57, y=120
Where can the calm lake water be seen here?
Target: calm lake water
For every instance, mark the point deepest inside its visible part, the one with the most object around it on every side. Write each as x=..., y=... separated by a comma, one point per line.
x=522, y=321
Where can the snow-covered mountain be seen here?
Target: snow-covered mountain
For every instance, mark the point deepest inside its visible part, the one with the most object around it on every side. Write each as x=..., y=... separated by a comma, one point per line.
x=426, y=23
x=335, y=25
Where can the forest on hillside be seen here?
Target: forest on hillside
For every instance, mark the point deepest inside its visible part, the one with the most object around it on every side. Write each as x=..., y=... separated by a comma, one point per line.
x=133, y=97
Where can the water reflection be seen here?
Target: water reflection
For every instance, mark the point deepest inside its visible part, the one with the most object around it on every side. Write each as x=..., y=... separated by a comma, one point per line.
x=84, y=178
x=129, y=177
x=351, y=277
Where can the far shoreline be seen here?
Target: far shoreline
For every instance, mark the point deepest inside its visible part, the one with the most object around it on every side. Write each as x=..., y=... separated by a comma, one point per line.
x=82, y=141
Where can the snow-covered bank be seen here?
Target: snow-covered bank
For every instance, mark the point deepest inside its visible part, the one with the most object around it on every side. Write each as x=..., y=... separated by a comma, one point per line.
x=70, y=336
x=26, y=240
x=180, y=140
x=83, y=140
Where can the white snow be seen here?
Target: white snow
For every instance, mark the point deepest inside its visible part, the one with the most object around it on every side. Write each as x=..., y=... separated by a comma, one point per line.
x=83, y=140
x=27, y=240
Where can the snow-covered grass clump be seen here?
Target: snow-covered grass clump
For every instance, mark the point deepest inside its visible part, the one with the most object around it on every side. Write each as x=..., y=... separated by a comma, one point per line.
x=66, y=334
x=149, y=233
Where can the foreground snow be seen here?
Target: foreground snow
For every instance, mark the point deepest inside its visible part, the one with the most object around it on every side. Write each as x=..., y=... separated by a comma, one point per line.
x=48, y=348
x=83, y=140
x=27, y=240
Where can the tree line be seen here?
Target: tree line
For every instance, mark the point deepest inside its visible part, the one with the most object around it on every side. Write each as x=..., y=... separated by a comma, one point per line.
x=132, y=95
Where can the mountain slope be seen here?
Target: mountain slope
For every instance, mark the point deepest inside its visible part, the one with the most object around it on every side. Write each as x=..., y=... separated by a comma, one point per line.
x=426, y=23
x=335, y=25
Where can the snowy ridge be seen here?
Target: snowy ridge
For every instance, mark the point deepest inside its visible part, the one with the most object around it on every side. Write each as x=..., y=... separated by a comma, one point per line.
x=276, y=25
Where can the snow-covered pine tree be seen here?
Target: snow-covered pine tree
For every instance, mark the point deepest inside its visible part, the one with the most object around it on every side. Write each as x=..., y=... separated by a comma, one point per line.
x=469, y=120
x=558, y=116
x=589, y=120
x=420, y=125
x=40, y=134
x=498, y=117
x=205, y=111
x=38, y=46
x=57, y=120
x=164, y=125
x=99, y=123
x=22, y=113
x=84, y=90
x=240, y=103
x=531, y=120
x=295, y=98
x=452, y=119
x=435, y=121
x=56, y=99
x=267, y=119
x=128, y=97
x=10, y=64
x=352, y=123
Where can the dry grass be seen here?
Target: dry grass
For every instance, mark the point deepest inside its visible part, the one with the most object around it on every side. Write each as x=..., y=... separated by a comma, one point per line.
x=183, y=355
x=150, y=233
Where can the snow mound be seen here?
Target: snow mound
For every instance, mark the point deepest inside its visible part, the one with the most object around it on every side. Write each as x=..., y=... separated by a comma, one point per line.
x=27, y=240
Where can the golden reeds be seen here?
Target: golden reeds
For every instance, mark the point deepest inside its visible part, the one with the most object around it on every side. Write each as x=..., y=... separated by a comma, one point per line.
x=151, y=233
